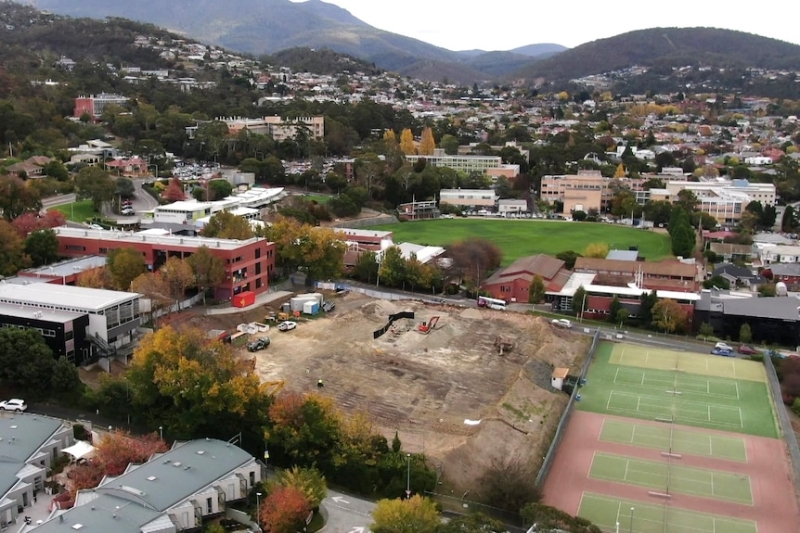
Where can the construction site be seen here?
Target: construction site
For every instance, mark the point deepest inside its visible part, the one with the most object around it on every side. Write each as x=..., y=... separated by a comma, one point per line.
x=464, y=386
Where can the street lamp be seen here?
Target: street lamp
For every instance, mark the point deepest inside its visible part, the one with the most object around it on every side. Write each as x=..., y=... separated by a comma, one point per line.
x=258, y=503
x=408, y=476
x=161, y=432
x=630, y=530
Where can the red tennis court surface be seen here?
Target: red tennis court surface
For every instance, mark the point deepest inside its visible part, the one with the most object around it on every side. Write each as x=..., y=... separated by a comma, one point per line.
x=775, y=507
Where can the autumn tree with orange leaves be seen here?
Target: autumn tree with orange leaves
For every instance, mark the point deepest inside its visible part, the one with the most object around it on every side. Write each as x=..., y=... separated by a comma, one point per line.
x=284, y=510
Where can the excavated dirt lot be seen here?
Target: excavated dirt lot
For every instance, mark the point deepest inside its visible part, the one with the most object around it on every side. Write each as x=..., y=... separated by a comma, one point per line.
x=430, y=387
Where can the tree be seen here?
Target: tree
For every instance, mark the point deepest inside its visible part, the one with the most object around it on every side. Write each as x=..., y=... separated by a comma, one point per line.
x=508, y=483
x=42, y=247
x=620, y=172
x=622, y=315
x=427, y=144
x=65, y=376
x=56, y=170
x=284, y=510
x=226, y=225
x=95, y=184
x=393, y=268
x=688, y=200
x=208, y=269
x=646, y=303
x=413, y=515
x=669, y=316
x=579, y=300
x=789, y=220
x=579, y=216
x=366, y=268
x=706, y=330
x=745, y=333
x=473, y=258
x=178, y=277
x=174, y=191
x=449, y=144
x=25, y=359
x=407, y=142
x=309, y=481
x=549, y=518
x=96, y=278
x=152, y=286
x=29, y=222
x=305, y=428
x=683, y=240
x=124, y=187
x=124, y=265
x=596, y=249
x=614, y=308
x=536, y=290
x=16, y=198
x=569, y=257
x=472, y=523
x=118, y=449
x=716, y=281
x=320, y=250
x=12, y=250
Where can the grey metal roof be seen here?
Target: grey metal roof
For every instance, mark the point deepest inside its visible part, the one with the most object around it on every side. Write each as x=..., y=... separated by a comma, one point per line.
x=50, y=315
x=103, y=515
x=21, y=436
x=68, y=267
x=81, y=298
x=175, y=475
x=777, y=308
x=623, y=255
x=785, y=269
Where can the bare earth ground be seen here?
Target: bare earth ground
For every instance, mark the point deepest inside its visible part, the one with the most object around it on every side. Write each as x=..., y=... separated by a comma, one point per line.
x=427, y=386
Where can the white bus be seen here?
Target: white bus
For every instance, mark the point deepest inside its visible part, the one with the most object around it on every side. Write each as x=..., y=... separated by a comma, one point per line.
x=491, y=303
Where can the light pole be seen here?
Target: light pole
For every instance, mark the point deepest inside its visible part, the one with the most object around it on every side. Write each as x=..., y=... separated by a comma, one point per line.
x=408, y=476
x=630, y=530
x=258, y=504
x=161, y=432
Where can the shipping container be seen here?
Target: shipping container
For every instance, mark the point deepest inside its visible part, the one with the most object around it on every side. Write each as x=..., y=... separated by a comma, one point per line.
x=244, y=299
x=311, y=308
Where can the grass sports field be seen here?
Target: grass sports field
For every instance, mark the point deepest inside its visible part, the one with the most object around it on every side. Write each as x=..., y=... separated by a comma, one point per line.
x=699, y=390
x=608, y=513
x=519, y=238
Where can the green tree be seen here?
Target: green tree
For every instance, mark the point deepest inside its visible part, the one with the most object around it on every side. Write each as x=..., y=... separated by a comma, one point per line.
x=124, y=187
x=96, y=185
x=688, y=200
x=472, y=523
x=579, y=300
x=716, y=281
x=16, y=198
x=124, y=265
x=683, y=240
x=647, y=301
x=56, y=170
x=42, y=247
x=208, y=269
x=393, y=269
x=12, y=250
x=569, y=257
x=789, y=220
x=449, y=144
x=25, y=359
x=309, y=481
x=536, y=290
x=614, y=308
x=745, y=333
x=706, y=330
x=366, y=269
x=413, y=515
x=65, y=376
x=226, y=225
x=320, y=250
x=622, y=315
x=396, y=444
x=305, y=429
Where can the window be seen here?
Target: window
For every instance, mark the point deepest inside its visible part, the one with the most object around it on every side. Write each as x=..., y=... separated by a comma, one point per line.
x=252, y=478
x=209, y=506
x=258, y=253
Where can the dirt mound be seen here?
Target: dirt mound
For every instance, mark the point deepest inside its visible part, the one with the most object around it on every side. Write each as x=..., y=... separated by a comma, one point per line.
x=471, y=314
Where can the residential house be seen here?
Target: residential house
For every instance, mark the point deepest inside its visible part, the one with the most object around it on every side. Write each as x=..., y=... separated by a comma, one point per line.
x=779, y=254
x=788, y=273
x=733, y=252
x=738, y=276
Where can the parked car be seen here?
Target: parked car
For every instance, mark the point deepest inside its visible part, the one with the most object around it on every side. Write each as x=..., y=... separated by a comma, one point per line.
x=95, y=226
x=747, y=350
x=13, y=405
x=328, y=307
x=127, y=211
x=562, y=323
x=722, y=352
x=287, y=325
x=723, y=346
x=258, y=344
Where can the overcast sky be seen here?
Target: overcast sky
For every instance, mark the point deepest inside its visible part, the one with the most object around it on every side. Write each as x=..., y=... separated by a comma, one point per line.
x=507, y=24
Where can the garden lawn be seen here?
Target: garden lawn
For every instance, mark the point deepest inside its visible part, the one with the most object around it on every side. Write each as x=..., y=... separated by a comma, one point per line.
x=520, y=238
x=80, y=211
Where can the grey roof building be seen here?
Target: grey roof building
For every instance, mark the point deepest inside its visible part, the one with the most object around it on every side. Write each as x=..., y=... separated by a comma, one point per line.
x=774, y=320
x=28, y=445
x=172, y=492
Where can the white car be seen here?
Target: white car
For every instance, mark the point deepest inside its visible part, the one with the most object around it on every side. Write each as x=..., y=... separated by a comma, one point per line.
x=287, y=326
x=13, y=405
x=723, y=346
x=562, y=323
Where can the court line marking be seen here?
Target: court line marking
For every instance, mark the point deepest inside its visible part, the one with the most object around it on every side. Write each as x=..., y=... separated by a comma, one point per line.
x=616, y=374
x=633, y=434
x=737, y=389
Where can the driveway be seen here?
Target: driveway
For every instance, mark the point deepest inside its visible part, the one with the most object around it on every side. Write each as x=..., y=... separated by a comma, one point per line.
x=346, y=514
x=141, y=201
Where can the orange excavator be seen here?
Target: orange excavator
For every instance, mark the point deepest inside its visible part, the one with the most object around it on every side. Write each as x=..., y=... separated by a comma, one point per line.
x=427, y=327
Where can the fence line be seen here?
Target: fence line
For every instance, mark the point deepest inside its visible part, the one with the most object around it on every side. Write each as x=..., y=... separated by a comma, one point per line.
x=566, y=415
x=786, y=425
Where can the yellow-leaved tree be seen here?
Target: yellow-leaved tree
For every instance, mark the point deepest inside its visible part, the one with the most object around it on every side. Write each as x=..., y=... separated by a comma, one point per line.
x=414, y=515
x=389, y=135
x=427, y=143
x=596, y=249
x=407, y=142
x=620, y=172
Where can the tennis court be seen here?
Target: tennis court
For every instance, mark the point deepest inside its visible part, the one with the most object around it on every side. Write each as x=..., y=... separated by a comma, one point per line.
x=693, y=363
x=669, y=439
x=667, y=478
x=638, y=517
x=675, y=409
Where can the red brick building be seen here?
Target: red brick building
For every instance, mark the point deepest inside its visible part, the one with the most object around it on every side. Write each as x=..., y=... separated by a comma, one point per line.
x=512, y=283
x=249, y=264
x=661, y=275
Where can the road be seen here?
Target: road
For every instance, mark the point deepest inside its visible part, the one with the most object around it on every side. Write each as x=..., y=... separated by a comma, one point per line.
x=53, y=201
x=141, y=202
x=347, y=514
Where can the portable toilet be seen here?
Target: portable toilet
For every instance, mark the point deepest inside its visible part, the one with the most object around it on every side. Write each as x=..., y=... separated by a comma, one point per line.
x=311, y=307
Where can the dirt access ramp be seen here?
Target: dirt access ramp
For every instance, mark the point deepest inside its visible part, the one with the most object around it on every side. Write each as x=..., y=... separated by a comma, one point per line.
x=434, y=388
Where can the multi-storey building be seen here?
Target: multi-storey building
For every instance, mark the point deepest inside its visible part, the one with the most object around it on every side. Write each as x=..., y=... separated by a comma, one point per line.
x=480, y=198
x=485, y=164
x=95, y=104
x=249, y=264
x=279, y=128
x=586, y=190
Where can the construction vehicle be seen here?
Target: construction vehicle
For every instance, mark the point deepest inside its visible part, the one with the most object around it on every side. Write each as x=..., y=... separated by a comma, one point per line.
x=427, y=327
x=283, y=316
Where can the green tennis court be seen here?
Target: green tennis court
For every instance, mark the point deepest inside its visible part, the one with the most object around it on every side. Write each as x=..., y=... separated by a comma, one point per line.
x=638, y=517
x=667, y=477
x=693, y=363
x=669, y=439
x=700, y=400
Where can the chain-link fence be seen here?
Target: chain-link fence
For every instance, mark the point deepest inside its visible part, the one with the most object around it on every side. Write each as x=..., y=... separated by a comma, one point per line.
x=562, y=424
x=783, y=419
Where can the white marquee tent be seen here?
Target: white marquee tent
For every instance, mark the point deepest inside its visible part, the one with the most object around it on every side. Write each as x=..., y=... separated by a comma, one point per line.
x=80, y=450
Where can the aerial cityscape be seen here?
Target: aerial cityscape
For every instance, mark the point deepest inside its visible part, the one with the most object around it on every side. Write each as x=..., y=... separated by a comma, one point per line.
x=268, y=266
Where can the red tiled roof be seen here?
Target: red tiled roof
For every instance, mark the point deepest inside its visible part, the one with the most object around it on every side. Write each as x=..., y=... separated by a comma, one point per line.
x=661, y=268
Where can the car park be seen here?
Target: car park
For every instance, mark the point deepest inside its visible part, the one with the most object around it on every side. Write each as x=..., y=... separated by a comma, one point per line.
x=13, y=405
x=258, y=344
x=287, y=325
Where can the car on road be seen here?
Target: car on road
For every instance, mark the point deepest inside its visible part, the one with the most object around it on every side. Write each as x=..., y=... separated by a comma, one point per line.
x=747, y=350
x=287, y=325
x=13, y=405
x=722, y=352
x=723, y=346
x=127, y=211
x=328, y=306
x=258, y=344
x=95, y=226
x=562, y=323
